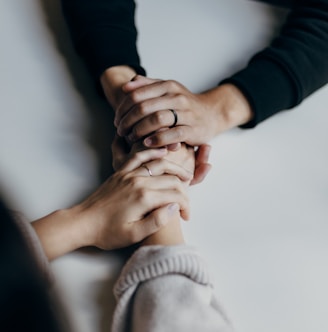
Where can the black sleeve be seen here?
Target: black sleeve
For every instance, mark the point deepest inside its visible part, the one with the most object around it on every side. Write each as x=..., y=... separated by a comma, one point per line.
x=103, y=33
x=294, y=66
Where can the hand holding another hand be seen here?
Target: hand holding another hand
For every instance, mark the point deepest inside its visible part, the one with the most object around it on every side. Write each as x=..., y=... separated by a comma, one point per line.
x=137, y=200
x=147, y=108
x=132, y=204
x=148, y=103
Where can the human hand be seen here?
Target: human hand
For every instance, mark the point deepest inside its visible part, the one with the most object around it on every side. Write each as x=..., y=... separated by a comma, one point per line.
x=112, y=81
x=171, y=233
x=128, y=207
x=131, y=204
x=202, y=166
x=120, y=147
x=121, y=150
x=146, y=108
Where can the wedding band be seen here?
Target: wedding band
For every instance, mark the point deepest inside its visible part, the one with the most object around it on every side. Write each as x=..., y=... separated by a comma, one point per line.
x=148, y=169
x=175, y=117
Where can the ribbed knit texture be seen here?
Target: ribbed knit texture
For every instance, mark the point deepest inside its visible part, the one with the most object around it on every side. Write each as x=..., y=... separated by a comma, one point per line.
x=153, y=261
x=144, y=303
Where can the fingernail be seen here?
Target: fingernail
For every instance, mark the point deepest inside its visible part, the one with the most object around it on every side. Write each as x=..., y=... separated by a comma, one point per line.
x=173, y=208
x=162, y=150
x=148, y=141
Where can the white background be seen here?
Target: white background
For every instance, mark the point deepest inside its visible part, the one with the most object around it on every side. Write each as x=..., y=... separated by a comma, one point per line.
x=260, y=217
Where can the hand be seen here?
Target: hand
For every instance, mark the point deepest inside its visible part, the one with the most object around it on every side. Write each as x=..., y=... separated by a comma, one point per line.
x=112, y=81
x=132, y=204
x=202, y=166
x=121, y=150
x=171, y=233
x=128, y=207
x=146, y=108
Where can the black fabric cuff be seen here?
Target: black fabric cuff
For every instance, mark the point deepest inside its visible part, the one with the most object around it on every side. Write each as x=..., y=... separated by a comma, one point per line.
x=106, y=50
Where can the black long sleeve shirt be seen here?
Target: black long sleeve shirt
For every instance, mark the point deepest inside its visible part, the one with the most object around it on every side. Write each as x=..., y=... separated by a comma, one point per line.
x=277, y=78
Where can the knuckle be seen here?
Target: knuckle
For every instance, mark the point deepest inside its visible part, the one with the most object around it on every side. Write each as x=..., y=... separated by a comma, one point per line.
x=157, y=221
x=172, y=85
x=176, y=183
x=142, y=109
x=182, y=100
x=144, y=196
x=158, y=118
x=135, y=96
x=179, y=133
x=137, y=131
x=138, y=156
x=136, y=183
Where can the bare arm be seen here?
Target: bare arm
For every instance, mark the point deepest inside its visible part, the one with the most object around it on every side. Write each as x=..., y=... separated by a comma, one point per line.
x=127, y=208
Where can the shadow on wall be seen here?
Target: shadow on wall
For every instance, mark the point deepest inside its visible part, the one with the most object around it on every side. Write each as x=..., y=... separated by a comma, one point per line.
x=100, y=113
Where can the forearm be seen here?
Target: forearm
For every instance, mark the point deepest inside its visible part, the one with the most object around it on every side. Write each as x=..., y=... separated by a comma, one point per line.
x=294, y=66
x=229, y=105
x=170, y=234
x=60, y=233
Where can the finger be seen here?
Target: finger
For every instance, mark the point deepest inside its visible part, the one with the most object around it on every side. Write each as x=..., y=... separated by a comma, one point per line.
x=171, y=136
x=136, y=96
x=150, y=91
x=154, y=221
x=162, y=166
x=143, y=182
x=203, y=153
x=174, y=147
x=157, y=111
x=201, y=172
x=149, y=199
x=138, y=125
x=202, y=166
x=142, y=157
x=137, y=82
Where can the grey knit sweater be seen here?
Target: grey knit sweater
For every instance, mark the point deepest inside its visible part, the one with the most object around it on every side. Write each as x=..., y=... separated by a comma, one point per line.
x=161, y=288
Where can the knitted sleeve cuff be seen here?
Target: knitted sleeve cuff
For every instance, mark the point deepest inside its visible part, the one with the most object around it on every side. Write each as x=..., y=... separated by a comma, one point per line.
x=150, y=262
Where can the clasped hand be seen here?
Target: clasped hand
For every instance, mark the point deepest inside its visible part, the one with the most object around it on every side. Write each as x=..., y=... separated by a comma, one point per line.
x=128, y=207
x=144, y=113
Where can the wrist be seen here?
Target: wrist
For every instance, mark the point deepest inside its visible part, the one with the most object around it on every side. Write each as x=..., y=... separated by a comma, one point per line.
x=112, y=81
x=230, y=105
x=169, y=235
x=61, y=232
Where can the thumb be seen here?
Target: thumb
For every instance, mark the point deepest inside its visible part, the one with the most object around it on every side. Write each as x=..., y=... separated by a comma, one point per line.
x=137, y=82
x=155, y=220
x=200, y=173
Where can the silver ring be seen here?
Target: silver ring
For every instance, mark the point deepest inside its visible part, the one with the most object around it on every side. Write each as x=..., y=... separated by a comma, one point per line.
x=175, y=118
x=148, y=169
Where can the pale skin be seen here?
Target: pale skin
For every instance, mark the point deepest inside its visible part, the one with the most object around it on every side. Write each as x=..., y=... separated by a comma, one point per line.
x=142, y=108
x=97, y=221
x=113, y=80
x=131, y=206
